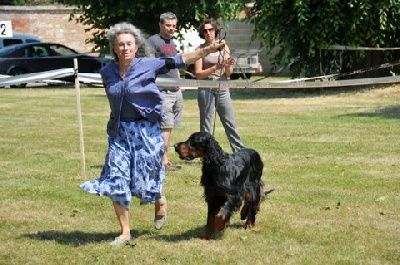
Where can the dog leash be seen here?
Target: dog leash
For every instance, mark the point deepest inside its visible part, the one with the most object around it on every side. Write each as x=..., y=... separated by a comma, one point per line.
x=221, y=58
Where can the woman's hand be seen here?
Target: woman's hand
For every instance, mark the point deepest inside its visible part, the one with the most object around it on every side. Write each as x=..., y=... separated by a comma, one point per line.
x=228, y=62
x=191, y=57
x=216, y=46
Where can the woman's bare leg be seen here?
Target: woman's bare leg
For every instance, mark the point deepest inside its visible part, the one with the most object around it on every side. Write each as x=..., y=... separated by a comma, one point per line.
x=123, y=219
x=160, y=213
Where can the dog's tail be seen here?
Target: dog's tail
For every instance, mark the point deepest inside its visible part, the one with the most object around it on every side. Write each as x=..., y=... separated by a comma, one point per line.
x=268, y=192
x=264, y=193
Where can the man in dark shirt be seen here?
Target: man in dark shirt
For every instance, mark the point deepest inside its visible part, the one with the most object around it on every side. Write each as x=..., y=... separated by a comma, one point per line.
x=172, y=98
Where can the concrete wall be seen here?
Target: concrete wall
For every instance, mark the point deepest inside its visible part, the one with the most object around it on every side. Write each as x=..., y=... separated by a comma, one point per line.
x=49, y=23
x=238, y=36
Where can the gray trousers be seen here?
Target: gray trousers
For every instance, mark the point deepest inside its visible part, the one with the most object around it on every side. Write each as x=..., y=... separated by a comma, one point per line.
x=208, y=99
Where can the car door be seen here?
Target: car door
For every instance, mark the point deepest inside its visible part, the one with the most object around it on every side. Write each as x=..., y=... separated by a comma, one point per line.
x=23, y=60
x=40, y=60
x=62, y=57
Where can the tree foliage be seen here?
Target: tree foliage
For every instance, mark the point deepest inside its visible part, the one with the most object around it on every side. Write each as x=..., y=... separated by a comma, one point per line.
x=28, y=2
x=99, y=15
x=304, y=29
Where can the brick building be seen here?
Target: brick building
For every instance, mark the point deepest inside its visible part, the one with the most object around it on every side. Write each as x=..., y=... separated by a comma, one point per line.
x=52, y=24
x=49, y=23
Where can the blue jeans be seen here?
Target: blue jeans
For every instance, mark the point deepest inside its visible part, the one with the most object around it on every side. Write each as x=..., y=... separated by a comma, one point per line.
x=220, y=99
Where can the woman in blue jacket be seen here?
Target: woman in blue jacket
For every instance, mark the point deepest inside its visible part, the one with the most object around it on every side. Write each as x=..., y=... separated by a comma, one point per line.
x=133, y=164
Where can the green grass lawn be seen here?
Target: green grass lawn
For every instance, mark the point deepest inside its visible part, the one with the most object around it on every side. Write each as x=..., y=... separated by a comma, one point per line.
x=332, y=156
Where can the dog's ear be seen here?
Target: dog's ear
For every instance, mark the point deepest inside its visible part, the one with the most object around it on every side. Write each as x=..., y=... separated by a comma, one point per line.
x=202, y=137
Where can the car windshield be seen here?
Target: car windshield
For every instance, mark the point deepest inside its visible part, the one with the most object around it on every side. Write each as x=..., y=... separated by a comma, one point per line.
x=58, y=50
x=40, y=50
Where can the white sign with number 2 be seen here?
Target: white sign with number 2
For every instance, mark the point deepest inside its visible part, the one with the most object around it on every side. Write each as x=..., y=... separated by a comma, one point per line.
x=5, y=29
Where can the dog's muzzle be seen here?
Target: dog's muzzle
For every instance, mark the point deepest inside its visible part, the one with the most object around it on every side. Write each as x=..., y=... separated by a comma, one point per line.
x=184, y=151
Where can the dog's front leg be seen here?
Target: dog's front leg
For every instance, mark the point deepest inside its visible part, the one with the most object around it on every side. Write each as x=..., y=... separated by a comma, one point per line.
x=212, y=211
x=209, y=229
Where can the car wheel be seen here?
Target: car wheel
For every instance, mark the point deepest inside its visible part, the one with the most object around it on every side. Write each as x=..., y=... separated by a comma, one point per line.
x=245, y=76
x=95, y=68
x=18, y=71
x=234, y=76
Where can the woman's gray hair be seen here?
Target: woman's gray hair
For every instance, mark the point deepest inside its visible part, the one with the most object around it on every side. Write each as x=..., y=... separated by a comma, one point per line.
x=143, y=49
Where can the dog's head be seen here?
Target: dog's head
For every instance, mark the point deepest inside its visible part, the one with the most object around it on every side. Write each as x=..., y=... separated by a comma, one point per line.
x=194, y=146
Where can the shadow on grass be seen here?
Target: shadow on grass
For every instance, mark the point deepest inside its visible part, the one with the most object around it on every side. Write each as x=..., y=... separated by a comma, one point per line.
x=389, y=112
x=79, y=238
x=97, y=166
x=197, y=233
x=72, y=238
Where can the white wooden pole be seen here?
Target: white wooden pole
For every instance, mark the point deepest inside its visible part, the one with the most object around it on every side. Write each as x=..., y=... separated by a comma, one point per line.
x=79, y=110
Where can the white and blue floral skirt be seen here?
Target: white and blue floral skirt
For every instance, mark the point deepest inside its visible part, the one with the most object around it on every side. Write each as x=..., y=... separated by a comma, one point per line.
x=133, y=165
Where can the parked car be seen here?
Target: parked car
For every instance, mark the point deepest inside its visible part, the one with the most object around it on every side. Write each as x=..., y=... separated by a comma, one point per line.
x=39, y=57
x=246, y=63
x=18, y=39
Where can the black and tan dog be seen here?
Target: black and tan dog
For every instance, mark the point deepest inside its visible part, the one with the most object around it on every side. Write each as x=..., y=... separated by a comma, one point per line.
x=228, y=179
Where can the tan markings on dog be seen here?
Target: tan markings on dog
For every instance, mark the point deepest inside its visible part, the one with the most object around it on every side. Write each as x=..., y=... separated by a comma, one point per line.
x=185, y=151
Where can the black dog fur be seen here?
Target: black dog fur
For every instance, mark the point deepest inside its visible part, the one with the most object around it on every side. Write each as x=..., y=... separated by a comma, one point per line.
x=228, y=179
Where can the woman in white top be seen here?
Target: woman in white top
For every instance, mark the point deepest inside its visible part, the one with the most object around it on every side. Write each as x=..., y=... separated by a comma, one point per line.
x=216, y=66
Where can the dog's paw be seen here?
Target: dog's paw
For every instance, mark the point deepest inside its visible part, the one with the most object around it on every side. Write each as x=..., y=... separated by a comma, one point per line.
x=220, y=222
x=205, y=237
x=209, y=231
x=249, y=225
